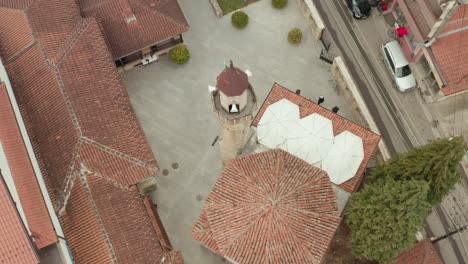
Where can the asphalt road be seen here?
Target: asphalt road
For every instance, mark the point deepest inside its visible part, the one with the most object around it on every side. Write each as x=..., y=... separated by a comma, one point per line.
x=395, y=126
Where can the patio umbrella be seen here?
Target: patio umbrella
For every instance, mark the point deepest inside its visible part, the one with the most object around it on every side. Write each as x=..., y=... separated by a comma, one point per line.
x=315, y=141
x=344, y=158
x=279, y=122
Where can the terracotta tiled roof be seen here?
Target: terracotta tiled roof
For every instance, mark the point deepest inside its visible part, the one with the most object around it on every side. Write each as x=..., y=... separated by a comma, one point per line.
x=340, y=124
x=232, y=81
x=15, y=246
x=13, y=39
x=156, y=222
x=270, y=207
x=23, y=175
x=422, y=253
x=121, y=226
x=173, y=257
x=451, y=53
x=105, y=121
x=51, y=26
x=154, y=22
x=86, y=137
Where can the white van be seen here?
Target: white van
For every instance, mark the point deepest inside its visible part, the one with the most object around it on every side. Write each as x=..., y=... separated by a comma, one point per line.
x=399, y=67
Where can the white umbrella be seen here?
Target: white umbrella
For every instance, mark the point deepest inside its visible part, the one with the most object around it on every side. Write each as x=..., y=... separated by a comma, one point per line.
x=344, y=158
x=316, y=140
x=279, y=119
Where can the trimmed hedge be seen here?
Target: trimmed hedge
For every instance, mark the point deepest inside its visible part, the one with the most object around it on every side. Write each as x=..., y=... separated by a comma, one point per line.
x=180, y=54
x=279, y=3
x=239, y=19
x=295, y=36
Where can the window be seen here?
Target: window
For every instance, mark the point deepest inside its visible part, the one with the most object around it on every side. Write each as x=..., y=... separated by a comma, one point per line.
x=234, y=108
x=389, y=59
x=403, y=71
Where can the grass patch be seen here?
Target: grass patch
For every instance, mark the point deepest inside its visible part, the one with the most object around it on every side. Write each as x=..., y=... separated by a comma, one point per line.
x=230, y=5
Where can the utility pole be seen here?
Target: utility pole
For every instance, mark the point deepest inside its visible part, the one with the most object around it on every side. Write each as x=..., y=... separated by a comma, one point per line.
x=456, y=231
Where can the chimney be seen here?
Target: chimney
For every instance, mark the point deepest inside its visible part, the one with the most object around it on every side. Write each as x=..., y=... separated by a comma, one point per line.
x=335, y=109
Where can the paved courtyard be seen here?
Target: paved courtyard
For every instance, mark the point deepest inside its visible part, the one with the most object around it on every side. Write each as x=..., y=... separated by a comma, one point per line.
x=174, y=108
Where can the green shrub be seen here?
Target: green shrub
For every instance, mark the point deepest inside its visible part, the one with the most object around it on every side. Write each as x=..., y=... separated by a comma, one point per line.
x=180, y=54
x=279, y=3
x=239, y=19
x=295, y=36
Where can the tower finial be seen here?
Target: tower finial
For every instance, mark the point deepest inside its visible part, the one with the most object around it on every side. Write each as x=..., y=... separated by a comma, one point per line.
x=231, y=64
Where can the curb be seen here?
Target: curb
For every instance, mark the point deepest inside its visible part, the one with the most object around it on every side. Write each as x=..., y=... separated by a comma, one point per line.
x=340, y=72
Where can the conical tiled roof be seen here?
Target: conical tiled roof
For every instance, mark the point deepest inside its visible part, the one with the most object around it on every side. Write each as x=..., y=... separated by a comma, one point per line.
x=270, y=207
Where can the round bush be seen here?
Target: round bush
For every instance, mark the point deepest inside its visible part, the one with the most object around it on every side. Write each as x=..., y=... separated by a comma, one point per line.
x=295, y=36
x=279, y=3
x=180, y=54
x=239, y=19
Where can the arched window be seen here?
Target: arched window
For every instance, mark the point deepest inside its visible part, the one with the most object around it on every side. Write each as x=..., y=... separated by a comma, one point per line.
x=234, y=108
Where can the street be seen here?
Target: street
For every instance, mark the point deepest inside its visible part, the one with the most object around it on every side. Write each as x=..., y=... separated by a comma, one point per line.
x=405, y=120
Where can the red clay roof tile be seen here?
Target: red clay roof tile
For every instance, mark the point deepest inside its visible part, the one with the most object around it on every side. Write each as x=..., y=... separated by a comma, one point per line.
x=23, y=175
x=232, y=81
x=15, y=246
x=86, y=137
x=451, y=53
x=155, y=21
x=52, y=26
x=422, y=253
x=50, y=127
x=16, y=4
x=81, y=227
x=340, y=124
x=15, y=33
x=270, y=207
x=125, y=221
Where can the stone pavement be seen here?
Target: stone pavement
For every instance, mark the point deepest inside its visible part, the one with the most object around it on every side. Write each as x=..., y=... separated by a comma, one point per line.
x=174, y=108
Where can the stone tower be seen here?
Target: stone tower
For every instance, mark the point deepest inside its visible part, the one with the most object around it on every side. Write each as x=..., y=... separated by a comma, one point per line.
x=234, y=102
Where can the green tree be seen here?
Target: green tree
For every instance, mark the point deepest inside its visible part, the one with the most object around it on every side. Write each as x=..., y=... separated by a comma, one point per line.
x=385, y=216
x=436, y=163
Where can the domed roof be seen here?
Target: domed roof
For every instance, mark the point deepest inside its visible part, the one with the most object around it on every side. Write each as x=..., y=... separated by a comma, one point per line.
x=232, y=81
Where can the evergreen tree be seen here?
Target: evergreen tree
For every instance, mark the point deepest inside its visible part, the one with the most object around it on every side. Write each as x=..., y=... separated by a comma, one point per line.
x=436, y=163
x=385, y=216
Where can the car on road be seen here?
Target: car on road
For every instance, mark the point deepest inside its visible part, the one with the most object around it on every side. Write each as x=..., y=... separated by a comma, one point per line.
x=359, y=8
x=398, y=65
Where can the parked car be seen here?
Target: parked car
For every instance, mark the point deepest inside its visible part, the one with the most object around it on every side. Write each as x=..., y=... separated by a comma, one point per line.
x=359, y=8
x=398, y=65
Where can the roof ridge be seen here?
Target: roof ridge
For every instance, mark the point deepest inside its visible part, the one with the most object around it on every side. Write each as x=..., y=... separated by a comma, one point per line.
x=83, y=179
x=71, y=40
x=108, y=179
x=148, y=8
x=67, y=184
x=119, y=154
x=19, y=53
x=66, y=98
